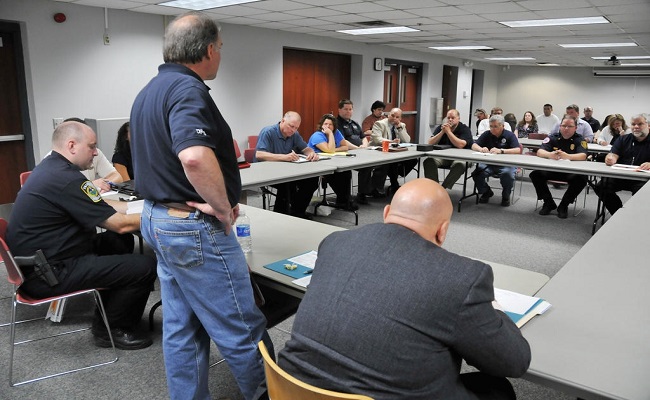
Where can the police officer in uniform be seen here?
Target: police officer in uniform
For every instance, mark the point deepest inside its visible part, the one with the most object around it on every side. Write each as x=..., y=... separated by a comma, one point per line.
x=564, y=145
x=57, y=211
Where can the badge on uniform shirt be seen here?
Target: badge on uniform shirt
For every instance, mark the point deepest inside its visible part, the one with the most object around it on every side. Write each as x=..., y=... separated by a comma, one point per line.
x=91, y=191
x=546, y=140
x=583, y=144
x=503, y=140
x=573, y=146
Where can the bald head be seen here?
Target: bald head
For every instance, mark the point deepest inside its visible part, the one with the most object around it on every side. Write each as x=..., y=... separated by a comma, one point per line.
x=422, y=206
x=77, y=142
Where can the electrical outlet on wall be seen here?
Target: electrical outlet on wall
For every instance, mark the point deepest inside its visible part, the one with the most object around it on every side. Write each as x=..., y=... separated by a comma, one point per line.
x=56, y=122
x=107, y=39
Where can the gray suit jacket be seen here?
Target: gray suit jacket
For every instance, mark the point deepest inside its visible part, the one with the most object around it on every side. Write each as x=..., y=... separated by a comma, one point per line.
x=395, y=319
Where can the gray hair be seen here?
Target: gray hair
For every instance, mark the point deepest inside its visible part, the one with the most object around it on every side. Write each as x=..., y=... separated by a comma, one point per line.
x=187, y=38
x=642, y=115
x=497, y=118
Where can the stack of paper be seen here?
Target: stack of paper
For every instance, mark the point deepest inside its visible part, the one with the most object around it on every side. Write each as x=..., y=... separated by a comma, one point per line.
x=519, y=307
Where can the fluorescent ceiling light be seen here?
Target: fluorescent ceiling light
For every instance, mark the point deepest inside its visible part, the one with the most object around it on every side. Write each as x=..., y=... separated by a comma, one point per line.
x=461, y=48
x=579, y=45
x=636, y=65
x=556, y=22
x=623, y=58
x=542, y=64
x=377, y=31
x=509, y=58
x=203, y=4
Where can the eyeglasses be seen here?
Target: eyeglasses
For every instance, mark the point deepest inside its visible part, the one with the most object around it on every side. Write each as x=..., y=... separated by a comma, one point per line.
x=567, y=126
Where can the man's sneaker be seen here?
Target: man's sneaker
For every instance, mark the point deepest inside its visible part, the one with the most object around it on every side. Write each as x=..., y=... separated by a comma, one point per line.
x=547, y=208
x=505, y=201
x=562, y=211
x=486, y=196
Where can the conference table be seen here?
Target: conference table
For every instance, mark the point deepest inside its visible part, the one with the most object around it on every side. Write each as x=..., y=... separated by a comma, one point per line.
x=278, y=236
x=591, y=147
x=371, y=157
x=537, y=163
x=594, y=343
x=273, y=173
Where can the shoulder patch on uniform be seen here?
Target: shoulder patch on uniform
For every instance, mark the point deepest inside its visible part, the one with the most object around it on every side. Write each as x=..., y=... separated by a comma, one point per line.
x=546, y=139
x=91, y=191
x=583, y=144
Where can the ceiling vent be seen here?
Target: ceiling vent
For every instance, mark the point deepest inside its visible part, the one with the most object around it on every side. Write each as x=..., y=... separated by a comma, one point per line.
x=372, y=24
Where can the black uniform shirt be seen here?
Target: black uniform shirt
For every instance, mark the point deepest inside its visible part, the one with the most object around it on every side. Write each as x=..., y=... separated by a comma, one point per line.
x=351, y=131
x=573, y=145
x=507, y=140
x=57, y=211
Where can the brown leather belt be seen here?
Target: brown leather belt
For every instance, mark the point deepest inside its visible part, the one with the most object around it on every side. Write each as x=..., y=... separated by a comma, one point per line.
x=178, y=210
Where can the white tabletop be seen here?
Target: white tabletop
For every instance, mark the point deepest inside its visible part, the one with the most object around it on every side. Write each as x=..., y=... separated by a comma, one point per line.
x=365, y=157
x=537, y=143
x=277, y=236
x=534, y=162
x=271, y=173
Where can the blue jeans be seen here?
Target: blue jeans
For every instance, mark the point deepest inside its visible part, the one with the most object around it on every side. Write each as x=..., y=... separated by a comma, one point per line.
x=505, y=174
x=206, y=294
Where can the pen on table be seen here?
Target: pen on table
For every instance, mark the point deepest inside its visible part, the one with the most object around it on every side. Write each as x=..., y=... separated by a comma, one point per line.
x=350, y=155
x=309, y=271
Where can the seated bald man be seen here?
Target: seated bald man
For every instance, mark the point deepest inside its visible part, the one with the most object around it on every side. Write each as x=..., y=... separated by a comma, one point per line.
x=395, y=320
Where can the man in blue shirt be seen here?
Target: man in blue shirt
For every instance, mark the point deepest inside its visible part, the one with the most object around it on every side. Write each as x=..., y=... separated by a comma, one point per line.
x=630, y=149
x=495, y=141
x=186, y=169
x=282, y=142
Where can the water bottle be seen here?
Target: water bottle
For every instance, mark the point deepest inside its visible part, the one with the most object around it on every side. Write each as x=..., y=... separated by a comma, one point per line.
x=243, y=228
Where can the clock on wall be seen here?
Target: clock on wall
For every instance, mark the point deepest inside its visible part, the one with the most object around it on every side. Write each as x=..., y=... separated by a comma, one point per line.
x=378, y=64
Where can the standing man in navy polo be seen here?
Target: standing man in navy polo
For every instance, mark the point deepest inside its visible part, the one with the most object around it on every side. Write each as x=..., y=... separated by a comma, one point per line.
x=186, y=169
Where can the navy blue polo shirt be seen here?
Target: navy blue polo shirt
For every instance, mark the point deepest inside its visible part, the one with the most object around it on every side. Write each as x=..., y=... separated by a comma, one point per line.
x=630, y=151
x=271, y=140
x=573, y=145
x=173, y=112
x=462, y=132
x=507, y=140
x=57, y=211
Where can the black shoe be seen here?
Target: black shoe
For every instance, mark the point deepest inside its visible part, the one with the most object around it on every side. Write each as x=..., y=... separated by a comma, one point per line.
x=361, y=199
x=123, y=339
x=505, y=201
x=485, y=197
x=377, y=194
x=562, y=211
x=547, y=207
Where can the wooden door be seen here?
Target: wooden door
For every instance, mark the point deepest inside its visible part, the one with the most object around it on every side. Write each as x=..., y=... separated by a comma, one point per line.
x=449, y=88
x=14, y=123
x=314, y=82
x=402, y=82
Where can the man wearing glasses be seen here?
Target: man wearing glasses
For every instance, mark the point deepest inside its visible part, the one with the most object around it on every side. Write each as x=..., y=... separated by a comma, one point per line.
x=565, y=145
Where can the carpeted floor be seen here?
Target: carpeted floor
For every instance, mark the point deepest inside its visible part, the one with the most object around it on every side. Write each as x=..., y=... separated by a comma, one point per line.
x=515, y=236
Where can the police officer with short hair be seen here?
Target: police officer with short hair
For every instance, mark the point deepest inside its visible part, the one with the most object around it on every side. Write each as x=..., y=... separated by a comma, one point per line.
x=565, y=145
x=57, y=211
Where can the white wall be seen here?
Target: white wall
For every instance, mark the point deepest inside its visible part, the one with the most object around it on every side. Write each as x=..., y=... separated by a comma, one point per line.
x=71, y=73
x=529, y=88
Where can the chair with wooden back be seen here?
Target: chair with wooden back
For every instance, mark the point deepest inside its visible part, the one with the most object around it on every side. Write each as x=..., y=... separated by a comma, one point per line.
x=283, y=386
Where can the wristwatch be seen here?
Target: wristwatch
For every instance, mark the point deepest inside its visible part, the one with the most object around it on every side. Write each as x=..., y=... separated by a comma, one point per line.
x=501, y=151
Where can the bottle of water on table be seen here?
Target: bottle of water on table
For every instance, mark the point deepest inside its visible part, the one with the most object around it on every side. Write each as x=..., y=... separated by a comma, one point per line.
x=243, y=228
